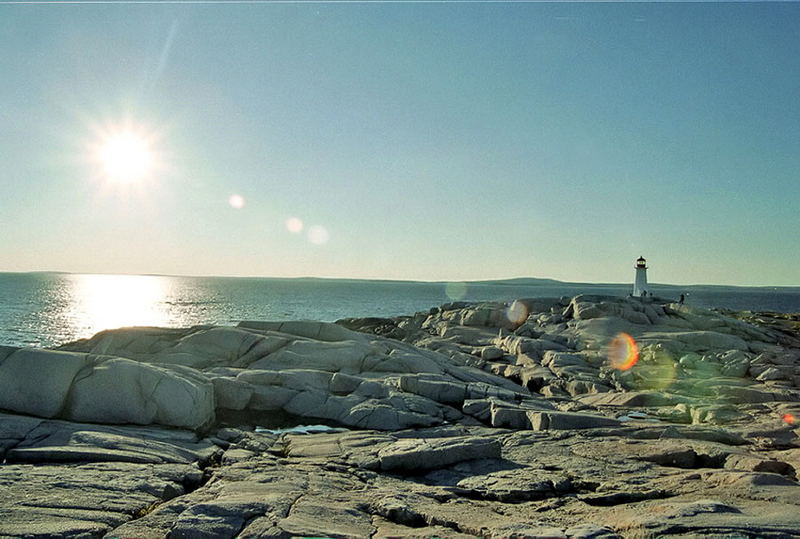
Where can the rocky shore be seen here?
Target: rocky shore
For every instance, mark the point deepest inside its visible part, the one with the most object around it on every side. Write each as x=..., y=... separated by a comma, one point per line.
x=590, y=417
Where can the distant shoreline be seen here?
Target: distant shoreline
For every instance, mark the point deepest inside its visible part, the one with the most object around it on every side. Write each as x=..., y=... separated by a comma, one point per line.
x=512, y=281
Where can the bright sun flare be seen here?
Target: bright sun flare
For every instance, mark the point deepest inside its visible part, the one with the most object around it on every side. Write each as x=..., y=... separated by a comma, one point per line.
x=126, y=157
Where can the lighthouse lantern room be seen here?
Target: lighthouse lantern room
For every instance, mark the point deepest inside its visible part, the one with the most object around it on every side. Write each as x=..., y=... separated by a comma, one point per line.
x=640, y=289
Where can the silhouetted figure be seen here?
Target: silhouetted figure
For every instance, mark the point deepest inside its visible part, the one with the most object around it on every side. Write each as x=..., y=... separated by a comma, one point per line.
x=683, y=297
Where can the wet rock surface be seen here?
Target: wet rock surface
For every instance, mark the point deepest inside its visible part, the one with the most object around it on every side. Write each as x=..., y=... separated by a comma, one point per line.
x=519, y=419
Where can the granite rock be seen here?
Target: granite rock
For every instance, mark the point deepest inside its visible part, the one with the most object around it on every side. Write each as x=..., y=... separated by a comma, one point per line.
x=468, y=420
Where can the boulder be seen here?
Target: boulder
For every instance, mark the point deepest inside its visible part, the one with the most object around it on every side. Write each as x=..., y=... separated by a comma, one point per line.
x=124, y=391
x=509, y=417
x=104, y=389
x=491, y=353
x=37, y=382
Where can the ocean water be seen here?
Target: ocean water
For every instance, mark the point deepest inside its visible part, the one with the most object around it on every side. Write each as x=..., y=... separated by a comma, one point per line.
x=46, y=309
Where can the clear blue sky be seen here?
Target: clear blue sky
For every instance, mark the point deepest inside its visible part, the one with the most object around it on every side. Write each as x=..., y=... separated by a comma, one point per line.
x=430, y=141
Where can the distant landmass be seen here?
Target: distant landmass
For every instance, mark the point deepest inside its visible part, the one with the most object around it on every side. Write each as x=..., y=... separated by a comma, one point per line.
x=536, y=281
x=524, y=281
x=514, y=281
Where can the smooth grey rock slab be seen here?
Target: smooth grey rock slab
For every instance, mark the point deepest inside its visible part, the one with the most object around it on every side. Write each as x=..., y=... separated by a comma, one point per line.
x=514, y=486
x=711, y=518
x=632, y=399
x=425, y=454
x=530, y=530
x=14, y=429
x=591, y=531
x=319, y=516
x=390, y=529
x=218, y=519
x=759, y=464
x=71, y=500
x=439, y=391
x=63, y=441
x=569, y=421
x=755, y=394
x=340, y=444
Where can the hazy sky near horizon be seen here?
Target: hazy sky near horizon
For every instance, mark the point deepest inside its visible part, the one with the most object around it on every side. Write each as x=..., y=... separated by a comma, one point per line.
x=417, y=141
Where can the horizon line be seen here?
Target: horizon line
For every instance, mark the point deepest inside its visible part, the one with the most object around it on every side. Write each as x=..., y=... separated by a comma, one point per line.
x=499, y=280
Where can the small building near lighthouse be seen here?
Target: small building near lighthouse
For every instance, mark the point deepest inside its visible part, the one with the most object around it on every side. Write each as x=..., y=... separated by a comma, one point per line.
x=640, y=288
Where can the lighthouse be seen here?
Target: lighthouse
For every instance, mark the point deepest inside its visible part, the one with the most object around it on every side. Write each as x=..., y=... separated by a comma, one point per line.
x=640, y=284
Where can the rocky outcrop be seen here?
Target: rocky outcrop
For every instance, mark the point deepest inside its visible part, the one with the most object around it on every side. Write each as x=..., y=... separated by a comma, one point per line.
x=259, y=372
x=705, y=364
x=494, y=420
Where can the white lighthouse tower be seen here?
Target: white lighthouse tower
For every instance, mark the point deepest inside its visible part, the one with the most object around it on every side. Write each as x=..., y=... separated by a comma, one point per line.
x=640, y=289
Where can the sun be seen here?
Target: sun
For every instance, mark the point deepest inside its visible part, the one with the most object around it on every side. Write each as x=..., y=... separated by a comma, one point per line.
x=125, y=153
x=126, y=157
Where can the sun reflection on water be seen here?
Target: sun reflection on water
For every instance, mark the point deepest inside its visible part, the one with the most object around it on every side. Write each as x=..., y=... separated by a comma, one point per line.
x=112, y=301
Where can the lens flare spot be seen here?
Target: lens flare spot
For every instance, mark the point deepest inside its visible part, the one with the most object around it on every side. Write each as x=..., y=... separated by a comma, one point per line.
x=294, y=225
x=656, y=369
x=236, y=201
x=318, y=235
x=517, y=313
x=455, y=291
x=789, y=419
x=623, y=353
